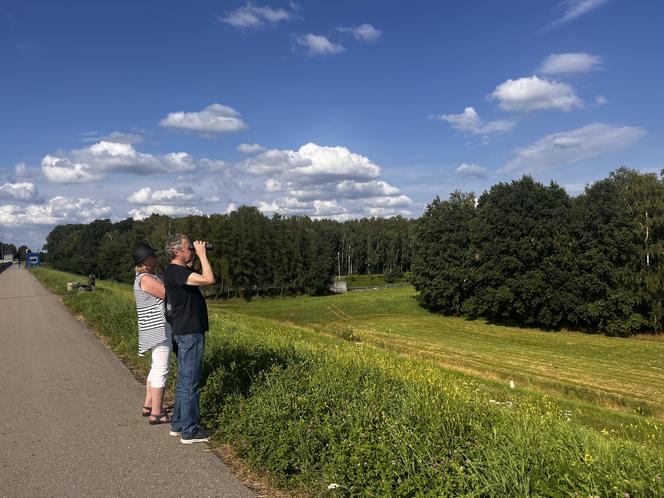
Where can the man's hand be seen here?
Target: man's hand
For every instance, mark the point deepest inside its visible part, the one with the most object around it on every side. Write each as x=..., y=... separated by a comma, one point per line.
x=206, y=277
x=199, y=247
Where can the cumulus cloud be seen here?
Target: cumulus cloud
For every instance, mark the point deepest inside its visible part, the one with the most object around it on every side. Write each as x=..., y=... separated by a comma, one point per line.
x=320, y=181
x=363, y=32
x=469, y=121
x=472, y=170
x=312, y=163
x=214, y=119
x=572, y=146
x=58, y=210
x=533, y=93
x=21, y=191
x=250, y=148
x=575, y=9
x=171, y=196
x=578, y=62
x=62, y=170
x=92, y=163
x=164, y=209
x=319, y=45
x=253, y=17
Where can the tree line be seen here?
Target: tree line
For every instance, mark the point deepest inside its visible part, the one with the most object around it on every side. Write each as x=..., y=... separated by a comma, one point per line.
x=253, y=253
x=10, y=250
x=528, y=254
x=523, y=253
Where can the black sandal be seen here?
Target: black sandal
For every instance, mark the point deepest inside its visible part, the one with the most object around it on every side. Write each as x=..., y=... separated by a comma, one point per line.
x=147, y=411
x=162, y=418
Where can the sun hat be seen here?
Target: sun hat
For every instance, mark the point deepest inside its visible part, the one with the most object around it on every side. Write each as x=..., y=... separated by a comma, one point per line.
x=142, y=252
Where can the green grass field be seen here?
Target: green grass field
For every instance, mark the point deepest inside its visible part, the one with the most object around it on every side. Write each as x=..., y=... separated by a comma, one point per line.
x=357, y=391
x=623, y=374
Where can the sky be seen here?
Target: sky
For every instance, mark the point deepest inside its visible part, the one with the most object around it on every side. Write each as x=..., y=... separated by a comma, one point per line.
x=338, y=110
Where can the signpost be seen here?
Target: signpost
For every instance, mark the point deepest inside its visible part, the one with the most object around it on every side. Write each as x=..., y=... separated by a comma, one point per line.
x=32, y=259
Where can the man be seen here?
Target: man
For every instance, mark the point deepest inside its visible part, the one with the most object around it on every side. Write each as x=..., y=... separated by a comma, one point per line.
x=189, y=319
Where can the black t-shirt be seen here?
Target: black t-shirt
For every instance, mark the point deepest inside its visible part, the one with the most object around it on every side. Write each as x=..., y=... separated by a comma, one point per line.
x=188, y=307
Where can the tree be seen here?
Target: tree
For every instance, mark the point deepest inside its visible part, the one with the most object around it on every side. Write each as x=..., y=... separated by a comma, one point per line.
x=441, y=254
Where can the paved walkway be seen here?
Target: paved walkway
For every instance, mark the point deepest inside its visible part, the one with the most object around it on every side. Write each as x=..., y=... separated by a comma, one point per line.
x=70, y=421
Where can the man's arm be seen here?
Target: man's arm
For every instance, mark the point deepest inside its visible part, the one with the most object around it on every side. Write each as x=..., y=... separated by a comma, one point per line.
x=206, y=277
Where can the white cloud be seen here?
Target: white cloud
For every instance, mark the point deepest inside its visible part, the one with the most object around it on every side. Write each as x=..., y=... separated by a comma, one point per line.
x=164, y=209
x=601, y=100
x=526, y=94
x=21, y=191
x=272, y=185
x=572, y=146
x=171, y=196
x=363, y=32
x=472, y=170
x=21, y=170
x=252, y=16
x=319, y=45
x=92, y=163
x=469, y=121
x=56, y=211
x=322, y=181
x=250, y=148
x=62, y=170
x=215, y=165
x=578, y=62
x=123, y=138
x=349, y=189
x=312, y=163
x=215, y=118
x=575, y=9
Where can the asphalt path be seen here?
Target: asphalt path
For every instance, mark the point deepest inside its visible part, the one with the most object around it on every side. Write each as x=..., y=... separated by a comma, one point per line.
x=70, y=422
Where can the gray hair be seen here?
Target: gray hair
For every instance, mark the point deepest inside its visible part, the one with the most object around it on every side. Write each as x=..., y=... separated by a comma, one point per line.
x=173, y=243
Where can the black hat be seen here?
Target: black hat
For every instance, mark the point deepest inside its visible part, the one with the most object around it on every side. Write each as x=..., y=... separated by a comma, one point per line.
x=142, y=252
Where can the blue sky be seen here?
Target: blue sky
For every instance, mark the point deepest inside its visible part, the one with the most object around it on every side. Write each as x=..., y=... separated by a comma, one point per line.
x=327, y=109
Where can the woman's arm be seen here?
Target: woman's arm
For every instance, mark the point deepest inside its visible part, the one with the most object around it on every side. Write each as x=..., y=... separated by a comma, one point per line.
x=153, y=286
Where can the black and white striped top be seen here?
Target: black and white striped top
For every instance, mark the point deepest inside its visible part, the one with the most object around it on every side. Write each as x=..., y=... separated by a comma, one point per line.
x=152, y=326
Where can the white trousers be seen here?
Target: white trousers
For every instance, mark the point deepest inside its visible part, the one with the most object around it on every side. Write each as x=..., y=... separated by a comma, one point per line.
x=161, y=355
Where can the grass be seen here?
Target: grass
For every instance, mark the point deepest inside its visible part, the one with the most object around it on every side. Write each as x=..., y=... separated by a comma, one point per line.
x=353, y=281
x=599, y=371
x=299, y=399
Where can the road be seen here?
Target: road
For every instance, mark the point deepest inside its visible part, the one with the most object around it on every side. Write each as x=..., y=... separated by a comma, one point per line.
x=70, y=413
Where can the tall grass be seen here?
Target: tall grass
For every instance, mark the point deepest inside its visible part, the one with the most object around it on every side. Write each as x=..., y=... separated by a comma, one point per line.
x=340, y=418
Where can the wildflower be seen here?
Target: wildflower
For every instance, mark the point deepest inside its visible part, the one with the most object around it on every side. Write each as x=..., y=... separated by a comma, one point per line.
x=512, y=385
x=334, y=485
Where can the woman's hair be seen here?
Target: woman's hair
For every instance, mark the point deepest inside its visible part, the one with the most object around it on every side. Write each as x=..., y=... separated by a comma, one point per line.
x=173, y=243
x=140, y=267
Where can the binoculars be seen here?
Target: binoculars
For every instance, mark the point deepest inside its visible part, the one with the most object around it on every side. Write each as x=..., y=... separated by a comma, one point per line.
x=208, y=246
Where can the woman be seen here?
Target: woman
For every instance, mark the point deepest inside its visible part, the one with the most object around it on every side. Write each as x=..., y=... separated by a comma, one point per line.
x=154, y=334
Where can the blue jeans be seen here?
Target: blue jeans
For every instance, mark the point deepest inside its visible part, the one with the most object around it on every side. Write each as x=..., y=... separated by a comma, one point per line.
x=186, y=411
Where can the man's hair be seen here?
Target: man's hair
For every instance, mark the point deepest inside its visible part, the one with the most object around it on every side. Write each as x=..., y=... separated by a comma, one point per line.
x=173, y=243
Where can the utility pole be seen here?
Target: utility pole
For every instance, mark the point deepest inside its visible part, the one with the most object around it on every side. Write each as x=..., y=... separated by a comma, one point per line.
x=339, y=264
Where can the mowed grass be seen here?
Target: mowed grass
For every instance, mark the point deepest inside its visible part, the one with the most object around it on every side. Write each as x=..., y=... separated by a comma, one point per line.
x=598, y=371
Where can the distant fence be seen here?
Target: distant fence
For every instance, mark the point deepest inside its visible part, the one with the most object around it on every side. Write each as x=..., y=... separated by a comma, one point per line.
x=377, y=287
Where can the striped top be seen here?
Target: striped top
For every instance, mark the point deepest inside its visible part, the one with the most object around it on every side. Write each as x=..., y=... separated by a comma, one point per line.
x=152, y=326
